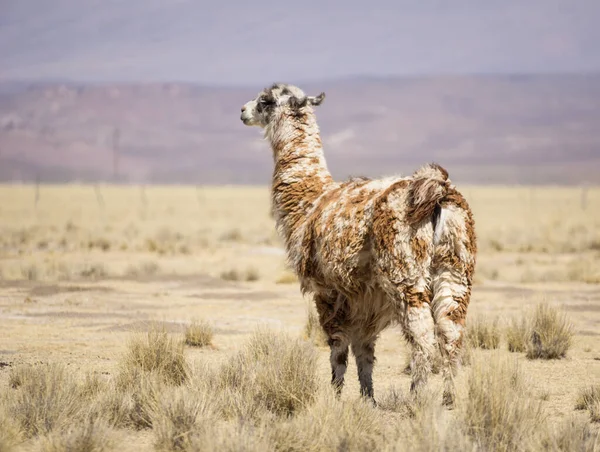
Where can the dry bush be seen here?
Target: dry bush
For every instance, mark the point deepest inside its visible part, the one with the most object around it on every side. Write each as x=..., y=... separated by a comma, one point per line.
x=572, y=435
x=483, y=333
x=272, y=371
x=551, y=334
x=589, y=399
x=181, y=415
x=498, y=414
x=313, y=330
x=10, y=430
x=155, y=351
x=91, y=435
x=408, y=405
x=429, y=428
x=250, y=274
x=128, y=402
x=148, y=268
x=287, y=277
x=199, y=334
x=231, y=437
x=45, y=397
x=518, y=333
x=329, y=424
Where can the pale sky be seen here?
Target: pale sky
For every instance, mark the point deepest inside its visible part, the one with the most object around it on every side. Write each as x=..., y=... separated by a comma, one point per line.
x=255, y=42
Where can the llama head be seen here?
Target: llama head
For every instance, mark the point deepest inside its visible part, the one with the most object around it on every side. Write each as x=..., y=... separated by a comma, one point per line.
x=259, y=111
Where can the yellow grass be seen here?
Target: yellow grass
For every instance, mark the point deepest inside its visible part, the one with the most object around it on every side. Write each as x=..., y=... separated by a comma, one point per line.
x=95, y=298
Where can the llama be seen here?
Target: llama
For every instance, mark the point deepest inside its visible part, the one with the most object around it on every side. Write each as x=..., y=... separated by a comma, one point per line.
x=371, y=252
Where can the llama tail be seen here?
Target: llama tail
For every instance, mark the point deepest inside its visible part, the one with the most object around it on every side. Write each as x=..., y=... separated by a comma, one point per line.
x=430, y=185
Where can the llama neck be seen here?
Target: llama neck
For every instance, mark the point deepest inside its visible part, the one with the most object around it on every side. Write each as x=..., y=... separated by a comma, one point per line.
x=300, y=175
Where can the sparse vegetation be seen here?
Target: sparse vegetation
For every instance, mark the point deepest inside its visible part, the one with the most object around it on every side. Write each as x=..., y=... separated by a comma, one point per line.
x=45, y=397
x=313, y=330
x=551, y=334
x=155, y=351
x=518, y=333
x=272, y=392
x=250, y=274
x=498, y=412
x=483, y=333
x=199, y=334
x=90, y=435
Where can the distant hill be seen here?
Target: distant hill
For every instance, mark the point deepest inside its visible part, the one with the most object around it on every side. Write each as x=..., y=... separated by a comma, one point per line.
x=485, y=129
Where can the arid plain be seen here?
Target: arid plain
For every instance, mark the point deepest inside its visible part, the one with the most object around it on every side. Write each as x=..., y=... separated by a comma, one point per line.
x=85, y=268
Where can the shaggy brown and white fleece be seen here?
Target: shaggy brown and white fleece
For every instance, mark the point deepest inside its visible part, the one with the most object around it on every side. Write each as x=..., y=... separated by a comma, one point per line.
x=372, y=252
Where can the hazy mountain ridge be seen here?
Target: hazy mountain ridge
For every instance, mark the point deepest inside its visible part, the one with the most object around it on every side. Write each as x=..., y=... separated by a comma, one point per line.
x=503, y=129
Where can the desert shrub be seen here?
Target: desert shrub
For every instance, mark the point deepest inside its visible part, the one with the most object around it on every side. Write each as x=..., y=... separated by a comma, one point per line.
x=429, y=428
x=128, y=402
x=483, y=333
x=155, y=351
x=10, y=430
x=198, y=334
x=272, y=371
x=407, y=404
x=287, y=277
x=91, y=435
x=572, y=435
x=180, y=415
x=250, y=274
x=518, y=333
x=329, y=424
x=45, y=397
x=551, y=334
x=498, y=414
x=589, y=399
x=587, y=396
x=231, y=437
x=313, y=330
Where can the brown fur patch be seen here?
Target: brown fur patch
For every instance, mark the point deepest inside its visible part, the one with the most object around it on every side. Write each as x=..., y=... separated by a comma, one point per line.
x=419, y=249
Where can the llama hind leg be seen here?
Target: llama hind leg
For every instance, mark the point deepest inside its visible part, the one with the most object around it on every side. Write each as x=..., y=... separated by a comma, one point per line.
x=420, y=333
x=364, y=352
x=450, y=308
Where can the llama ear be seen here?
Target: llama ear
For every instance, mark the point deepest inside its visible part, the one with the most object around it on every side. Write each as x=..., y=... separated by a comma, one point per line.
x=298, y=103
x=316, y=100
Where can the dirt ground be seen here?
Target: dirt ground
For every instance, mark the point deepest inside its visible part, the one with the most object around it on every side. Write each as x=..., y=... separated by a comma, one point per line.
x=80, y=269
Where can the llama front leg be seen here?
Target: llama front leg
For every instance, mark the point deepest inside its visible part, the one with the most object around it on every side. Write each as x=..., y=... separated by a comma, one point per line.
x=364, y=352
x=419, y=331
x=339, y=363
x=331, y=308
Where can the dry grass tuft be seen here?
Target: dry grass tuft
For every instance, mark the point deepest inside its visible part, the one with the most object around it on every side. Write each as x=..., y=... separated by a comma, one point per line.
x=45, y=397
x=10, y=431
x=572, y=435
x=330, y=424
x=129, y=401
x=313, y=330
x=155, y=351
x=498, y=414
x=287, y=277
x=589, y=399
x=249, y=275
x=179, y=417
x=199, y=334
x=551, y=334
x=483, y=333
x=408, y=405
x=92, y=435
x=273, y=371
x=518, y=333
